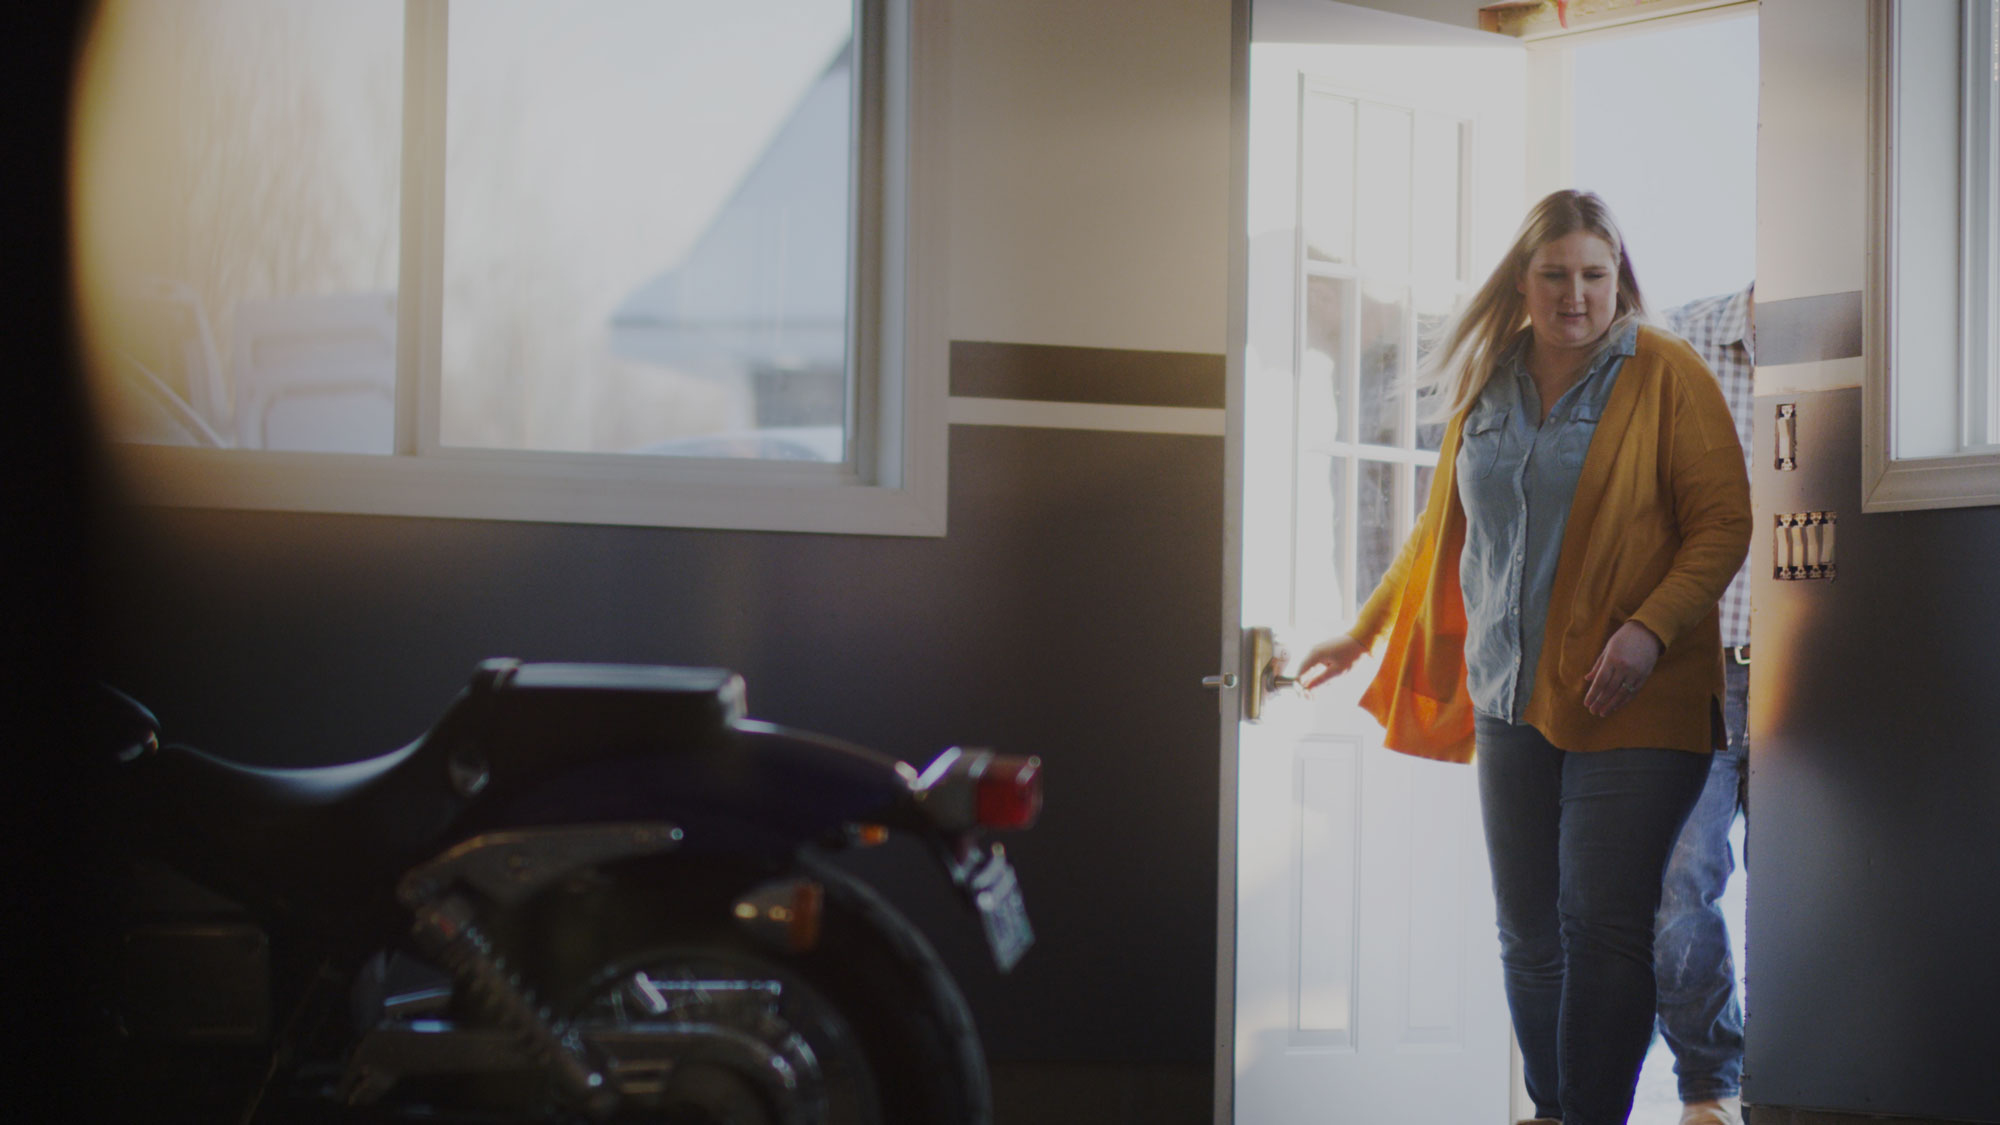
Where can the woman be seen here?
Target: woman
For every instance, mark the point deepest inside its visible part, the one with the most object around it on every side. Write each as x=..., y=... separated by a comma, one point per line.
x=1555, y=609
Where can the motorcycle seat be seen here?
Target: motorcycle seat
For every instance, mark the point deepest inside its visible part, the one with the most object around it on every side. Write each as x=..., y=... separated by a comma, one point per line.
x=322, y=839
x=274, y=788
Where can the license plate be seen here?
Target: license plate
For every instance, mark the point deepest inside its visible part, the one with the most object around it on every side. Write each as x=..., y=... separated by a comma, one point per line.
x=1002, y=911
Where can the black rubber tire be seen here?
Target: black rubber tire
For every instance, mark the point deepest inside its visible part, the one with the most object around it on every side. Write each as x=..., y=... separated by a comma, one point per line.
x=871, y=965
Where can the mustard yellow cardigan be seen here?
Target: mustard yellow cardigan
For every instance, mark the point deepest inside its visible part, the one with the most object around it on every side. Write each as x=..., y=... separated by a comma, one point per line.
x=1659, y=525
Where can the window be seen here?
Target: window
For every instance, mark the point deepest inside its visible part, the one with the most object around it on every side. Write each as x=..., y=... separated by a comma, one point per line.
x=1931, y=435
x=625, y=262
x=1384, y=254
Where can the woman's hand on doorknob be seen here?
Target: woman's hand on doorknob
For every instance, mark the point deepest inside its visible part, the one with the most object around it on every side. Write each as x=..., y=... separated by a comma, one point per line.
x=1328, y=659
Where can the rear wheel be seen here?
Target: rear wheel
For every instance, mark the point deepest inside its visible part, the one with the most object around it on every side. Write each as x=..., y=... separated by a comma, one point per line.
x=864, y=1028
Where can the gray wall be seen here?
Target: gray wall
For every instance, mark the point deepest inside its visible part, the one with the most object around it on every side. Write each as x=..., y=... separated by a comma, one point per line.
x=1873, y=844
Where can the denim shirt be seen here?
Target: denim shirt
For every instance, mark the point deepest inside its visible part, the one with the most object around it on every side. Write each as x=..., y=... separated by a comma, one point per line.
x=1516, y=481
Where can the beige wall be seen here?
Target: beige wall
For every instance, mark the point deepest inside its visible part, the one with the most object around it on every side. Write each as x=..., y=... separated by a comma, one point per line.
x=1812, y=164
x=1090, y=173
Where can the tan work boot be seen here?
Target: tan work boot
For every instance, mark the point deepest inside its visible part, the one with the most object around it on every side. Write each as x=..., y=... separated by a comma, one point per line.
x=1727, y=1111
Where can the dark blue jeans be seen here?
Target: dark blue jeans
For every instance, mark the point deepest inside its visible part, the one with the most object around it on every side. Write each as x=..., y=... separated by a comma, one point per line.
x=1699, y=1014
x=1578, y=843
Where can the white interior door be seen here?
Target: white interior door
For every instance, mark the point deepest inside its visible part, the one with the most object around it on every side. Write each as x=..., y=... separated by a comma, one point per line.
x=1385, y=175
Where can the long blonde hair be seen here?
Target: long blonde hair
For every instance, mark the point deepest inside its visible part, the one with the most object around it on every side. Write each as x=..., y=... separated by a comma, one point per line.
x=1472, y=343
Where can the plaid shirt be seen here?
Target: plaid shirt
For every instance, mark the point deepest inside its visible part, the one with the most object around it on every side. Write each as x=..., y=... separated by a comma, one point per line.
x=1719, y=330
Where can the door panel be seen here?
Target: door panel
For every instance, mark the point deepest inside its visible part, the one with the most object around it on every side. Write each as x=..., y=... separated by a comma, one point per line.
x=1381, y=179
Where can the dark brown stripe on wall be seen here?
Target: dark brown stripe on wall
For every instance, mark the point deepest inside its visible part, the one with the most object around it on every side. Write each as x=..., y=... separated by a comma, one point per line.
x=1113, y=376
x=1808, y=329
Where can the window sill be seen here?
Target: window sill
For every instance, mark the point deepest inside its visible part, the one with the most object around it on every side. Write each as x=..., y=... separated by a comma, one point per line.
x=541, y=488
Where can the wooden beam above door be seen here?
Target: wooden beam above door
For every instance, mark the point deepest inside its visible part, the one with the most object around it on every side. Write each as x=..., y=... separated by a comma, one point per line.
x=1542, y=19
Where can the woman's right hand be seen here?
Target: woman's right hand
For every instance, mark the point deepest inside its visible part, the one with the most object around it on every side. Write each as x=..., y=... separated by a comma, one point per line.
x=1328, y=659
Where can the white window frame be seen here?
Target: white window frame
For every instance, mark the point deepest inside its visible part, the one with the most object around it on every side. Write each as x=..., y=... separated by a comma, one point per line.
x=895, y=480
x=1930, y=232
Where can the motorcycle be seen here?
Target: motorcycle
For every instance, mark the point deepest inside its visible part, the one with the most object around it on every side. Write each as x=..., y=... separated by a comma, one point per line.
x=587, y=893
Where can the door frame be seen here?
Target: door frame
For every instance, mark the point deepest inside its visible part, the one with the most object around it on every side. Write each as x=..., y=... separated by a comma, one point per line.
x=1230, y=705
x=1548, y=160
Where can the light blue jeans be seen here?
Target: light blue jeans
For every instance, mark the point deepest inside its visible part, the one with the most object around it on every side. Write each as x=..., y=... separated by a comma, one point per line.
x=1698, y=1012
x=1578, y=843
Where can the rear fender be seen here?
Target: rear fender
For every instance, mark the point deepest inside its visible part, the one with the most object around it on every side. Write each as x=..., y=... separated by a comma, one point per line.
x=759, y=789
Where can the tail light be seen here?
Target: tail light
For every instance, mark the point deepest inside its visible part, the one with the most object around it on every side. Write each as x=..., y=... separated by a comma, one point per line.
x=1010, y=792
x=963, y=789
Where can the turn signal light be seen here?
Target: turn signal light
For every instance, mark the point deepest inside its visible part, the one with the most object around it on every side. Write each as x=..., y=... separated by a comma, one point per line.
x=1009, y=792
x=784, y=915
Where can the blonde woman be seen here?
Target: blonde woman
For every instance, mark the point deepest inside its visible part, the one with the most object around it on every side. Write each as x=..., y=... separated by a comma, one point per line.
x=1552, y=618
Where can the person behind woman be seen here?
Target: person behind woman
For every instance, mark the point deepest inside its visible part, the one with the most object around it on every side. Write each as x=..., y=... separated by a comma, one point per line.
x=1552, y=617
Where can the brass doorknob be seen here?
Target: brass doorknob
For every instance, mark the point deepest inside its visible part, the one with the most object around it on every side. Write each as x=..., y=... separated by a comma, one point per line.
x=1264, y=675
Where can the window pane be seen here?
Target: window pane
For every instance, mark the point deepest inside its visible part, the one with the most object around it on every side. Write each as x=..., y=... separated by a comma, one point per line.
x=1420, y=492
x=1384, y=238
x=1375, y=507
x=1437, y=210
x=1322, y=542
x=1433, y=304
x=237, y=180
x=1327, y=372
x=1383, y=312
x=1991, y=218
x=646, y=245
x=1326, y=161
